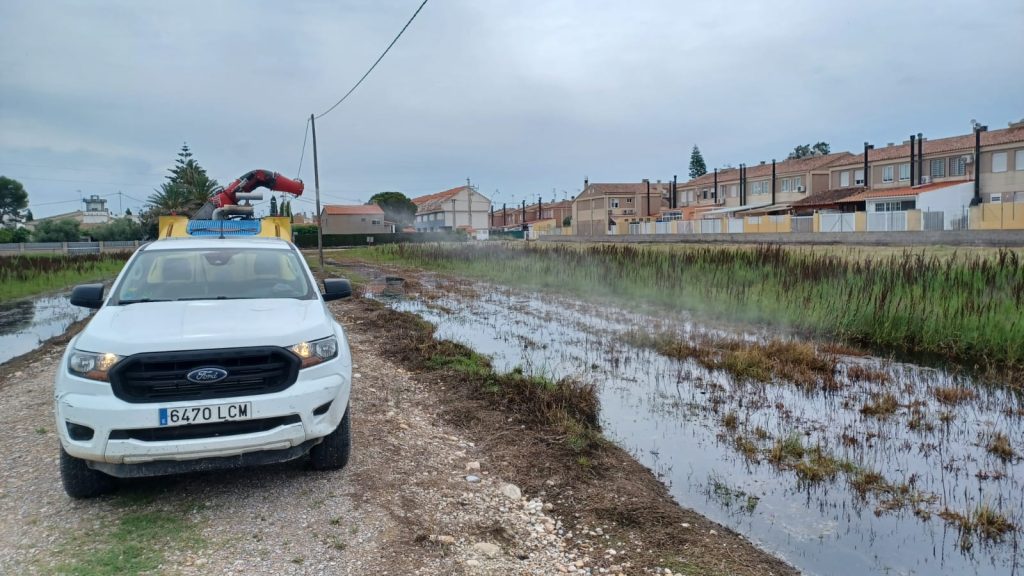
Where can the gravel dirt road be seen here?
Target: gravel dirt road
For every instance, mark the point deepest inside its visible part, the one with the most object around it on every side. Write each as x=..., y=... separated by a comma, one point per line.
x=419, y=496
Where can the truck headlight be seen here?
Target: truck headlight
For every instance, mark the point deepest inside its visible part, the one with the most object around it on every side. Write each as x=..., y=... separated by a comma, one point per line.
x=317, y=351
x=92, y=365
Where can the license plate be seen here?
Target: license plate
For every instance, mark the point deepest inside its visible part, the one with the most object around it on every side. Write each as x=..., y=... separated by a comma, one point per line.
x=205, y=414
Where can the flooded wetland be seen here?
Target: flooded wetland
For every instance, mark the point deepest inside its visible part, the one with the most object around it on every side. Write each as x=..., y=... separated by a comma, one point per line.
x=836, y=459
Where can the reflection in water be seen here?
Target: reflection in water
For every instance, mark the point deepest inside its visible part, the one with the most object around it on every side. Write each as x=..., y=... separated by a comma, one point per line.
x=669, y=413
x=26, y=323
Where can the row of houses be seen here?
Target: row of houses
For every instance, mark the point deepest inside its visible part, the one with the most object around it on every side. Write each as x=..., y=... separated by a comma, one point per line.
x=972, y=180
x=921, y=183
x=461, y=208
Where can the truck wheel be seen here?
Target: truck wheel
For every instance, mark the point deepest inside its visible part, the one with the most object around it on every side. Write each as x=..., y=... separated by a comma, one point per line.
x=332, y=453
x=80, y=481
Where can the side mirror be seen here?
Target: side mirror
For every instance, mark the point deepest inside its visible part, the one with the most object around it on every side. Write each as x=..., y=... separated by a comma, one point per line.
x=87, y=296
x=336, y=288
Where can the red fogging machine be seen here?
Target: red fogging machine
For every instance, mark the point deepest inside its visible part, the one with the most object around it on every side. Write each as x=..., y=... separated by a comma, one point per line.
x=225, y=203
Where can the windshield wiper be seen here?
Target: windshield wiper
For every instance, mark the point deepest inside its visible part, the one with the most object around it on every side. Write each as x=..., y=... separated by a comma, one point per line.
x=126, y=302
x=205, y=298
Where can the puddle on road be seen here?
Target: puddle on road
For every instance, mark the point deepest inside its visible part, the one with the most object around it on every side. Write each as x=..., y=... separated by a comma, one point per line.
x=669, y=414
x=27, y=323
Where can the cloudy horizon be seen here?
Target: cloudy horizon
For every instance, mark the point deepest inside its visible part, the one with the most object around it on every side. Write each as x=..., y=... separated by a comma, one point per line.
x=525, y=99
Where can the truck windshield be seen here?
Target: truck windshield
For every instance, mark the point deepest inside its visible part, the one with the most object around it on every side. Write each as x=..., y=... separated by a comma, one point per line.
x=215, y=274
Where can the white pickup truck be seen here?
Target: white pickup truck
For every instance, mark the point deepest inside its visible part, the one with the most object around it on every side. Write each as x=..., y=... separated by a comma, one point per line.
x=208, y=353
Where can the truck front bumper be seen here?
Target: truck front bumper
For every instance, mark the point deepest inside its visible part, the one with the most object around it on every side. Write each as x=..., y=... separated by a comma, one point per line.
x=114, y=436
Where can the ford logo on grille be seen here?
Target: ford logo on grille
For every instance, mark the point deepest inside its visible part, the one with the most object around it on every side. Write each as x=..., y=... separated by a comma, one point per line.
x=206, y=375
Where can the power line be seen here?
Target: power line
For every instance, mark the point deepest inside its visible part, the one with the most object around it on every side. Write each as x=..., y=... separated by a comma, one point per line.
x=83, y=181
x=77, y=200
x=76, y=169
x=303, y=155
x=402, y=31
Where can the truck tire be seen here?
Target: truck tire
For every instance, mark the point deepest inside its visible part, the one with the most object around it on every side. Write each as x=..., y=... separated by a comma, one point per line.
x=80, y=481
x=332, y=453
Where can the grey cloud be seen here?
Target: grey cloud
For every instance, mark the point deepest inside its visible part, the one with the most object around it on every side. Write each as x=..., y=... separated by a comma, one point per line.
x=524, y=97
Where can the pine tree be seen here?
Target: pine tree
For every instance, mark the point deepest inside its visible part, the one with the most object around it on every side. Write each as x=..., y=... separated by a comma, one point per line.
x=187, y=187
x=697, y=166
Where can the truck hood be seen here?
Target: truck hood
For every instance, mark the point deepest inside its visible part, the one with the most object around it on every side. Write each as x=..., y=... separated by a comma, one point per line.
x=204, y=324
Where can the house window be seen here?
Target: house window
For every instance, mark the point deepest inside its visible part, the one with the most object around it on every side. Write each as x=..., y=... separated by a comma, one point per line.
x=721, y=187
x=375, y=222
x=905, y=171
x=895, y=205
x=858, y=177
x=938, y=168
x=1019, y=163
x=756, y=188
x=629, y=200
x=615, y=203
x=844, y=179
x=886, y=173
x=999, y=161
x=704, y=194
x=957, y=166
x=798, y=183
x=734, y=190
x=785, y=184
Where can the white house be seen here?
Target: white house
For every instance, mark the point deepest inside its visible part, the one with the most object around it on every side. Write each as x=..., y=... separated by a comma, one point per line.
x=458, y=208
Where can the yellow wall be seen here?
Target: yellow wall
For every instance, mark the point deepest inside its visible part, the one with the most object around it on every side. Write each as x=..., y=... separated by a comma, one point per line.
x=914, y=220
x=1008, y=216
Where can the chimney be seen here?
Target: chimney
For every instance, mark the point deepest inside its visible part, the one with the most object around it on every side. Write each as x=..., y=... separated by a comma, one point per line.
x=920, y=158
x=648, y=183
x=913, y=142
x=978, y=129
x=867, y=174
x=585, y=183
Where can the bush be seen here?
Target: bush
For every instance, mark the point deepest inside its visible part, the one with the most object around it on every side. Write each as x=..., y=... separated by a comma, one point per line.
x=118, y=229
x=16, y=236
x=57, y=231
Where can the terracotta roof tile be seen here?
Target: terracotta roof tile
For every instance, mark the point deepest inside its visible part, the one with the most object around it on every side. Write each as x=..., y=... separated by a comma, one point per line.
x=432, y=202
x=963, y=143
x=893, y=192
x=827, y=197
x=346, y=210
x=783, y=168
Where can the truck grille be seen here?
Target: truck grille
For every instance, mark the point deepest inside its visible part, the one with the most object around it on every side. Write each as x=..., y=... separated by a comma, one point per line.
x=160, y=376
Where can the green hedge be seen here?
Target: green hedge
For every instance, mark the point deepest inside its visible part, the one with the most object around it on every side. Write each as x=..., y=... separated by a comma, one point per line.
x=306, y=240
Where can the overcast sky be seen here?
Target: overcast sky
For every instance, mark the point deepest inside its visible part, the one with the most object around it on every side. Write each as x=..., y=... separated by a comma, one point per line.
x=523, y=97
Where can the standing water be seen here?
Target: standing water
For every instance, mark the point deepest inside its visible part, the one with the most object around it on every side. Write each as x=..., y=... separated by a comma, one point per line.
x=27, y=323
x=894, y=491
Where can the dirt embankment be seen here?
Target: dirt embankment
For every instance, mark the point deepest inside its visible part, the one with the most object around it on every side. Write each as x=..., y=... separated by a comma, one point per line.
x=442, y=481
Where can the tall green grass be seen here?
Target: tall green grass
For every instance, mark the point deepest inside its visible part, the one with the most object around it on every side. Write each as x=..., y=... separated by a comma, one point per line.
x=25, y=275
x=969, y=308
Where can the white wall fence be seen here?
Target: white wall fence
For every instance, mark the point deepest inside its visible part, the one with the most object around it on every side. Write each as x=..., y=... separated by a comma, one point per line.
x=70, y=247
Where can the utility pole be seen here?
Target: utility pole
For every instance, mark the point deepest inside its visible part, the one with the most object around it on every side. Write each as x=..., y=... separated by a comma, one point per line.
x=319, y=217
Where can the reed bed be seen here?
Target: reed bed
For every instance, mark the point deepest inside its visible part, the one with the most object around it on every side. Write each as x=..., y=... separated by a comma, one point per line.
x=967, y=308
x=24, y=275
